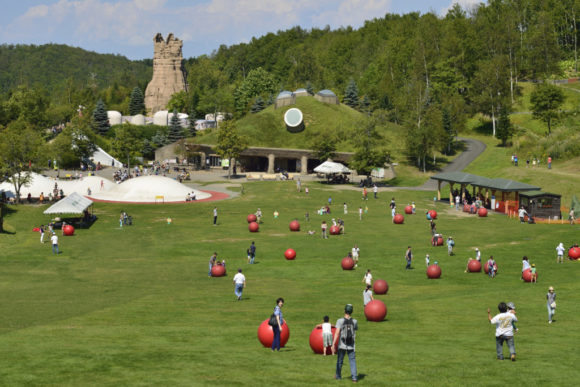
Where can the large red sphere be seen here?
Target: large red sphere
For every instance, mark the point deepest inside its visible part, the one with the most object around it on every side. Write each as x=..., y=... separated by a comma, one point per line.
x=474, y=266
x=574, y=253
x=466, y=208
x=433, y=272
x=251, y=218
x=290, y=254
x=334, y=230
x=376, y=310
x=433, y=214
x=482, y=212
x=218, y=271
x=399, y=219
x=68, y=230
x=486, y=268
x=294, y=226
x=266, y=334
x=317, y=343
x=408, y=210
x=347, y=263
x=380, y=286
x=527, y=275
x=253, y=227
x=437, y=241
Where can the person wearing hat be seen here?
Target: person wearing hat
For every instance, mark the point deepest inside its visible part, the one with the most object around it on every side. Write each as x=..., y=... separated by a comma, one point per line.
x=346, y=328
x=560, y=251
x=551, y=303
x=512, y=309
x=534, y=278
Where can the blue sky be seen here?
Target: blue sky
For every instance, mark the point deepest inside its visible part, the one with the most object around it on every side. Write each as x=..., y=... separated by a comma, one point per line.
x=127, y=27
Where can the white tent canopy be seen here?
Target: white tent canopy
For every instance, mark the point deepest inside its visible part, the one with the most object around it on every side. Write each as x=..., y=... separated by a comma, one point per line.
x=71, y=204
x=330, y=167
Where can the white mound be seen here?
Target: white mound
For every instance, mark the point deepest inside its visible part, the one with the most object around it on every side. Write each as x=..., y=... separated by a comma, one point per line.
x=148, y=189
x=144, y=189
x=45, y=185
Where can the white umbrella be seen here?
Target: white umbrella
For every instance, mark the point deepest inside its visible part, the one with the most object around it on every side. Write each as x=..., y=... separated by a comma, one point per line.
x=330, y=167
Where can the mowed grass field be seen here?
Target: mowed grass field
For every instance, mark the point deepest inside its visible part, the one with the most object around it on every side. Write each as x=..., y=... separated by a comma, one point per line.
x=134, y=306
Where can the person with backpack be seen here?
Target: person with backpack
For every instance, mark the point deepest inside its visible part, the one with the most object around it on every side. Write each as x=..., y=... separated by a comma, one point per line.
x=277, y=327
x=346, y=328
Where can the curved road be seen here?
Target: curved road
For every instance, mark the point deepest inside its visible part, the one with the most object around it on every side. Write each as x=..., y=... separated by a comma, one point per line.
x=474, y=149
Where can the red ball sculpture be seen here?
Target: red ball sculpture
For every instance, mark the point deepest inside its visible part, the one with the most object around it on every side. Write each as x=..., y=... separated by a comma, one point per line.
x=294, y=226
x=380, y=286
x=316, y=342
x=398, y=219
x=433, y=272
x=253, y=227
x=437, y=241
x=68, y=230
x=486, y=268
x=347, y=263
x=467, y=208
x=376, y=310
x=527, y=275
x=266, y=334
x=482, y=212
x=408, y=210
x=290, y=254
x=474, y=266
x=251, y=218
x=574, y=253
x=433, y=214
x=218, y=271
x=334, y=230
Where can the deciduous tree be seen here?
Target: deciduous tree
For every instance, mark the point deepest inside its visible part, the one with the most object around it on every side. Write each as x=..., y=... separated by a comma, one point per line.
x=546, y=101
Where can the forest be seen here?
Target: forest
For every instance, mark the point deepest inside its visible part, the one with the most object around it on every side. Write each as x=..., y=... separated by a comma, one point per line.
x=424, y=72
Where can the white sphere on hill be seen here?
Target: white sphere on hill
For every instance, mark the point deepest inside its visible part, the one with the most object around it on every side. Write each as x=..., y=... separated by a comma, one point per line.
x=138, y=119
x=161, y=118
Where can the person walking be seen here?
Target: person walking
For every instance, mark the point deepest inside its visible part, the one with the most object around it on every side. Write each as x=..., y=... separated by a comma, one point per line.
x=324, y=227
x=375, y=190
x=346, y=328
x=551, y=304
x=277, y=328
x=427, y=260
x=521, y=214
x=41, y=233
x=54, y=241
x=345, y=208
x=549, y=162
x=560, y=253
x=368, y=278
x=450, y=244
x=504, y=330
x=367, y=295
x=355, y=251
x=239, y=284
x=571, y=216
x=215, y=215
x=360, y=212
x=259, y=215
x=251, y=253
x=408, y=258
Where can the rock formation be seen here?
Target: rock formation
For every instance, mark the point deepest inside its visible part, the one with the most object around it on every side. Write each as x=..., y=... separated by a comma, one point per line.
x=168, y=75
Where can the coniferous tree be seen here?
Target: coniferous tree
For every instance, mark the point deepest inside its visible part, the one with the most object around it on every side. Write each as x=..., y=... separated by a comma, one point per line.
x=258, y=105
x=137, y=102
x=100, y=119
x=309, y=88
x=351, y=95
x=159, y=139
x=175, y=129
x=191, y=126
x=505, y=129
x=147, y=150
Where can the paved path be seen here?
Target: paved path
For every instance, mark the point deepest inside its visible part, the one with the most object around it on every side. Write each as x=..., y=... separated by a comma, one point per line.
x=473, y=149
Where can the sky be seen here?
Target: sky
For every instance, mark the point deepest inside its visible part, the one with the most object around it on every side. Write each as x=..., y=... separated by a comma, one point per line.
x=127, y=27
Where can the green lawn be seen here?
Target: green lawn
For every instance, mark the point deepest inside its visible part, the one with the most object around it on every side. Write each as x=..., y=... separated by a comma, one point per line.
x=134, y=306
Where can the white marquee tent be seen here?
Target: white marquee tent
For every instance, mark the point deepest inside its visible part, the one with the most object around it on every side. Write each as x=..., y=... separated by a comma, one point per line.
x=71, y=204
x=330, y=167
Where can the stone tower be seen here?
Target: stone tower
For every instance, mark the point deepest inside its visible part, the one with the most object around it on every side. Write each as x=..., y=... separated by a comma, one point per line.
x=168, y=74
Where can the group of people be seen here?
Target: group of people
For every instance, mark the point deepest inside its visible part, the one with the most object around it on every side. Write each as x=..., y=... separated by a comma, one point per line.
x=190, y=197
x=535, y=161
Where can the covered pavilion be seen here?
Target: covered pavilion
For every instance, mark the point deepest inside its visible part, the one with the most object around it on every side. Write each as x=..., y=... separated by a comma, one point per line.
x=509, y=189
